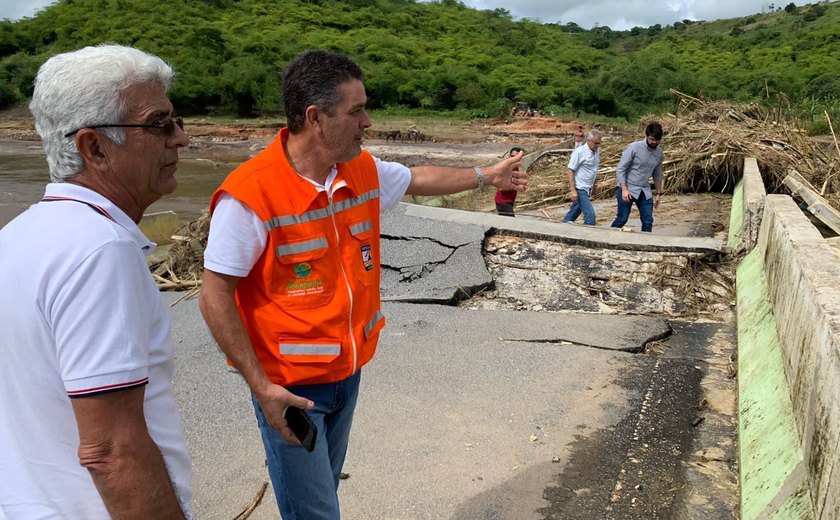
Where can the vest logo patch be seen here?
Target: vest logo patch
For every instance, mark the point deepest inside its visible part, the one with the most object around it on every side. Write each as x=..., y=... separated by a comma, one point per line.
x=367, y=257
x=302, y=269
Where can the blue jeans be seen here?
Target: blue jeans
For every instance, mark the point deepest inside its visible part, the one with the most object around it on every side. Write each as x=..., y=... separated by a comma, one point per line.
x=306, y=484
x=582, y=205
x=645, y=206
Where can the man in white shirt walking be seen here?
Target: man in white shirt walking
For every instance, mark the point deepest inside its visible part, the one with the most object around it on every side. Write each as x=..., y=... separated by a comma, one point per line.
x=583, y=168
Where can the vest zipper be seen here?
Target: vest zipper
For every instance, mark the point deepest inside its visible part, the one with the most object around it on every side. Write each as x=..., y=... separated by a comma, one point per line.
x=346, y=280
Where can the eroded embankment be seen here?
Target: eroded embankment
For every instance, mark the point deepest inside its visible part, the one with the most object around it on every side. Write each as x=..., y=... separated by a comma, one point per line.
x=554, y=276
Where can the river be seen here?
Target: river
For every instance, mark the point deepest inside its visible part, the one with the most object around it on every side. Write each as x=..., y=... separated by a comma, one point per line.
x=24, y=172
x=204, y=165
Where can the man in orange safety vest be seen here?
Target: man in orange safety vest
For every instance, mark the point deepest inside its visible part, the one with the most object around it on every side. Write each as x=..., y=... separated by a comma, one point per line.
x=291, y=280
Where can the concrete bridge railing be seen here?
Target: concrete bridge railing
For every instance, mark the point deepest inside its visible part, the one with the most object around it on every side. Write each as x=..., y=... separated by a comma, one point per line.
x=789, y=360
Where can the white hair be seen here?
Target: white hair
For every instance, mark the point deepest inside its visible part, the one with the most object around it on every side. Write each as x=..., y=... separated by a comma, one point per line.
x=592, y=134
x=83, y=88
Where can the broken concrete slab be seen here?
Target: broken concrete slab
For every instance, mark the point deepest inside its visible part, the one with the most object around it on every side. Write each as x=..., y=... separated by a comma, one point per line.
x=431, y=261
x=399, y=224
x=462, y=274
x=582, y=235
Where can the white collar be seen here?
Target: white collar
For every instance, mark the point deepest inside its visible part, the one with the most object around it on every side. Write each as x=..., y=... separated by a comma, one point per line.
x=64, y=190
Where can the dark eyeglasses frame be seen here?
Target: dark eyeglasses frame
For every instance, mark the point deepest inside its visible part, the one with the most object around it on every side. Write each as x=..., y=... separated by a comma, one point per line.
x=167, y=125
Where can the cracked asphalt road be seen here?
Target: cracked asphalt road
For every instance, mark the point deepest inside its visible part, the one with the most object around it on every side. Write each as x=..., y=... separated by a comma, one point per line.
x=488, y=414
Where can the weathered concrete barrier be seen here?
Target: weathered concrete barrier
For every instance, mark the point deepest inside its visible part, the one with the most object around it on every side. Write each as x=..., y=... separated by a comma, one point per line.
x=789, y=369
x=747, y=207
x=160, y=226
x=581, y=235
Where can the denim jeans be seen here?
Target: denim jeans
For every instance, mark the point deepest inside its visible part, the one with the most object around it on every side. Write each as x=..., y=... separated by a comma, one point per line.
x=645, y=206
x=306, y=484
x=582, y=205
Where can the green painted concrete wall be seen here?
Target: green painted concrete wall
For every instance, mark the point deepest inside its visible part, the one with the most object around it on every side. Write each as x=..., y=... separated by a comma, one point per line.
x=774, y=477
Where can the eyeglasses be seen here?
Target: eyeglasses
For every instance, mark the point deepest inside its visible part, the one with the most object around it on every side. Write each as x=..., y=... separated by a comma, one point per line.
x=167, y=126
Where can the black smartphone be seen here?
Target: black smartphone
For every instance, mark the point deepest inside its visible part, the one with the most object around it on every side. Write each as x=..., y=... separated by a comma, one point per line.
x=302, y=426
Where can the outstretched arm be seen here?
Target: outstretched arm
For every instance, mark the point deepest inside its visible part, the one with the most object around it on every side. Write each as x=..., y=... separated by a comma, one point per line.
x=443, y=180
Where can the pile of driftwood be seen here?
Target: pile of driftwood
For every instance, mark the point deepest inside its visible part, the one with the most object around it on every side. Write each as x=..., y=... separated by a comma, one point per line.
x=182, y=268
x=705, y=143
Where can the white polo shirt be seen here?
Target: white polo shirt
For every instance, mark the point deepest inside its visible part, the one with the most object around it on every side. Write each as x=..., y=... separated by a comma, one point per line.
x=80, y=315
x=584, y=162
x=238, y=237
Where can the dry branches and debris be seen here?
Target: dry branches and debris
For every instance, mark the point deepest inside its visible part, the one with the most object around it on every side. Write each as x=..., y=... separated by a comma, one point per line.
x=705, y=144
x=182, y=268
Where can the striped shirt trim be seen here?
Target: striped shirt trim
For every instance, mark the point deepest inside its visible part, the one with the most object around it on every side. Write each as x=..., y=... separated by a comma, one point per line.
x=95, y=207
x=299, y=349
x=372, y=323
x=319, y=214
x=108, y=388
x=302, y=247
x=360, y=228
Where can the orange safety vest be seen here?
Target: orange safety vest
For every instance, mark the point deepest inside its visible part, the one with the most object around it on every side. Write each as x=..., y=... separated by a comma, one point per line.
x=311, y=302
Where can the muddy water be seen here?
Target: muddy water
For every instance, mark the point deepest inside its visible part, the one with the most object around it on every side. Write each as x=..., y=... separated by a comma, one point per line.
x=203, y=166
x=23, y=174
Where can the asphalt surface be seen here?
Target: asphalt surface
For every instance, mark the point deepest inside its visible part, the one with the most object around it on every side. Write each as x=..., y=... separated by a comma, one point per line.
x=467, y=414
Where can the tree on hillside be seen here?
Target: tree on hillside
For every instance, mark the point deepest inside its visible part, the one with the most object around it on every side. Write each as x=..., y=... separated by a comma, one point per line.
x=441, y=55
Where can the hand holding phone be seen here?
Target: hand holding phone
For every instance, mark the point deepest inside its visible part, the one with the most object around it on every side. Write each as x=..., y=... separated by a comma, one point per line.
x=302, y=426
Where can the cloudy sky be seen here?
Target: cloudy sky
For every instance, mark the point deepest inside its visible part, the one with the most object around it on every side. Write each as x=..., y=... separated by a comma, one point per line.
x=617, y=14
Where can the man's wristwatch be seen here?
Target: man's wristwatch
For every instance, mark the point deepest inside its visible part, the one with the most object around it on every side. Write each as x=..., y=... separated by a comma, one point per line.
x=479, y=176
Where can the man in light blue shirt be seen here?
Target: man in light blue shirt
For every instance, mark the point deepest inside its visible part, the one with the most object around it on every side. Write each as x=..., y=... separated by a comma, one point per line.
x=583, y=166
x=640, y=161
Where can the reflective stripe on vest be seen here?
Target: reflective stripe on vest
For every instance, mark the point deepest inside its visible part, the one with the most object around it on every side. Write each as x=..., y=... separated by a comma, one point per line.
x=360, y=228
x=299, y=349
x=318, y=214
x=372, y=323
x=302, y=247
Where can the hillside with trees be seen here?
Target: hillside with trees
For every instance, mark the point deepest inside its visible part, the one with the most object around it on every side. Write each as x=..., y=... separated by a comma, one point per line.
x=443, y=56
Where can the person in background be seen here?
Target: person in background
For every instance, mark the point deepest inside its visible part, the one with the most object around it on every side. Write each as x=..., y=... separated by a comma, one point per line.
x=506, y=199
x=580, y=138
x=89, y=426
x=640, y=161
x=582, y=169
x=292, y=269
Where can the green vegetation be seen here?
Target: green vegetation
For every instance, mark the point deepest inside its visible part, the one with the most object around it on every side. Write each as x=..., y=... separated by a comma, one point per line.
x=444, y=56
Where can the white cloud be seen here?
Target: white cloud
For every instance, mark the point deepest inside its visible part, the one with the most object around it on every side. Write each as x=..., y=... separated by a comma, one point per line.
x=15, y=9
x=624, y=14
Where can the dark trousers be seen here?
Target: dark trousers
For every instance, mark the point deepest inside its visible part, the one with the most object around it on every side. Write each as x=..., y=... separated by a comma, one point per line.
x=645, y=206
x=505, y=209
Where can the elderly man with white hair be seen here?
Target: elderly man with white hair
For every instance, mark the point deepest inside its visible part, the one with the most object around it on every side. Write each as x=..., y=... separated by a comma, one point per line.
x=582, y=170
x=89, y=426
